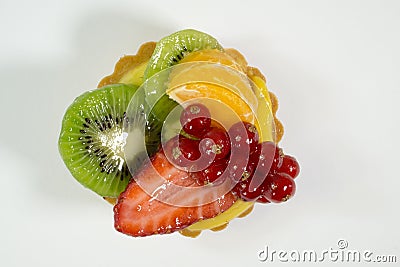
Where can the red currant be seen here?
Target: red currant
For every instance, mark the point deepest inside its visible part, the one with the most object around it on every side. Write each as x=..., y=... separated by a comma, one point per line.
x=196, y=119
x=245, y=187
x=182, y=151
x=215, y=143
x=279, y=187
x=189, y=148
x=290, y=166
x=241, y=168
x=246, y=190
x=249, y=193
x=269, y=158
x=243, y=135
x=213, y=172
x=263, y=199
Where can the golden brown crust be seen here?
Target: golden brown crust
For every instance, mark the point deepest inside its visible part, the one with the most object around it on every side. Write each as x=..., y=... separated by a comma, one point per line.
x=219, y=228
x=274, y=102
x=189, y=233
x=129, y=62
x=279, y=130
x=246, y=212
x=111, y=200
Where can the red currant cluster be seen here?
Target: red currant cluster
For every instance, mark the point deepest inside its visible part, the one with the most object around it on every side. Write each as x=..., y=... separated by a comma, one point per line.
x=260, y=171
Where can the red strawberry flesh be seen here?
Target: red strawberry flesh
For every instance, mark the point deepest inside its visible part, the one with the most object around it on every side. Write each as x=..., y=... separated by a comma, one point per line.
x=137, y=213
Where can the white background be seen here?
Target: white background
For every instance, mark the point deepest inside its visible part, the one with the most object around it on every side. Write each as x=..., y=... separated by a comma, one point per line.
x=333, y=64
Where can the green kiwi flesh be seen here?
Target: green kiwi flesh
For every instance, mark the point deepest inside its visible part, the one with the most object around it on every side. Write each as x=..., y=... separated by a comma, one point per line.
x=171, y=49
x=168, y=52
x=91, y=141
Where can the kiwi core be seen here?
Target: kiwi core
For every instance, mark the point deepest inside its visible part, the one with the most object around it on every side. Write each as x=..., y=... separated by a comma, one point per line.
x=114, y=141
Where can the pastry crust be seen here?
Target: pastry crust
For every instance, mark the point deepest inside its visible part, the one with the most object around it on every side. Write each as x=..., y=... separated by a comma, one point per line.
x=129, y=62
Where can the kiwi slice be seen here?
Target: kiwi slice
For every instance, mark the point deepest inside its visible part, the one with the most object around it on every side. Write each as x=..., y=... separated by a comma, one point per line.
x=171, y=49
x=92, y=138
x=168, y=52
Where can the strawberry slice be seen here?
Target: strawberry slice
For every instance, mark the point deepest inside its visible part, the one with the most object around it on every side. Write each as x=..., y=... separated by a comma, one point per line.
x=162, y=199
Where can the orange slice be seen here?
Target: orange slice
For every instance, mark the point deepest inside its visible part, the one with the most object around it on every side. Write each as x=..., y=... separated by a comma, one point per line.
x=213, y=56
x=220, y=101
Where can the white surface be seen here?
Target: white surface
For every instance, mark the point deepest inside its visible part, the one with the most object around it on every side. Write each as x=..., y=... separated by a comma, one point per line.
x=333, y=64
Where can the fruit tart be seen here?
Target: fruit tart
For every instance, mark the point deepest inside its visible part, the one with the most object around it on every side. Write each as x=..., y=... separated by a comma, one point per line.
x=181, y=137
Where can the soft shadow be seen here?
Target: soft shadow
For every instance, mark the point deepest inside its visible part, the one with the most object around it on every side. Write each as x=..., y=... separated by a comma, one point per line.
x=37, y=95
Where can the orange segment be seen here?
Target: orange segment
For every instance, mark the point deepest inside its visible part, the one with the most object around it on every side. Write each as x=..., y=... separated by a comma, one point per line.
x=214, y=56
x=247, y=98
x=225, y=106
